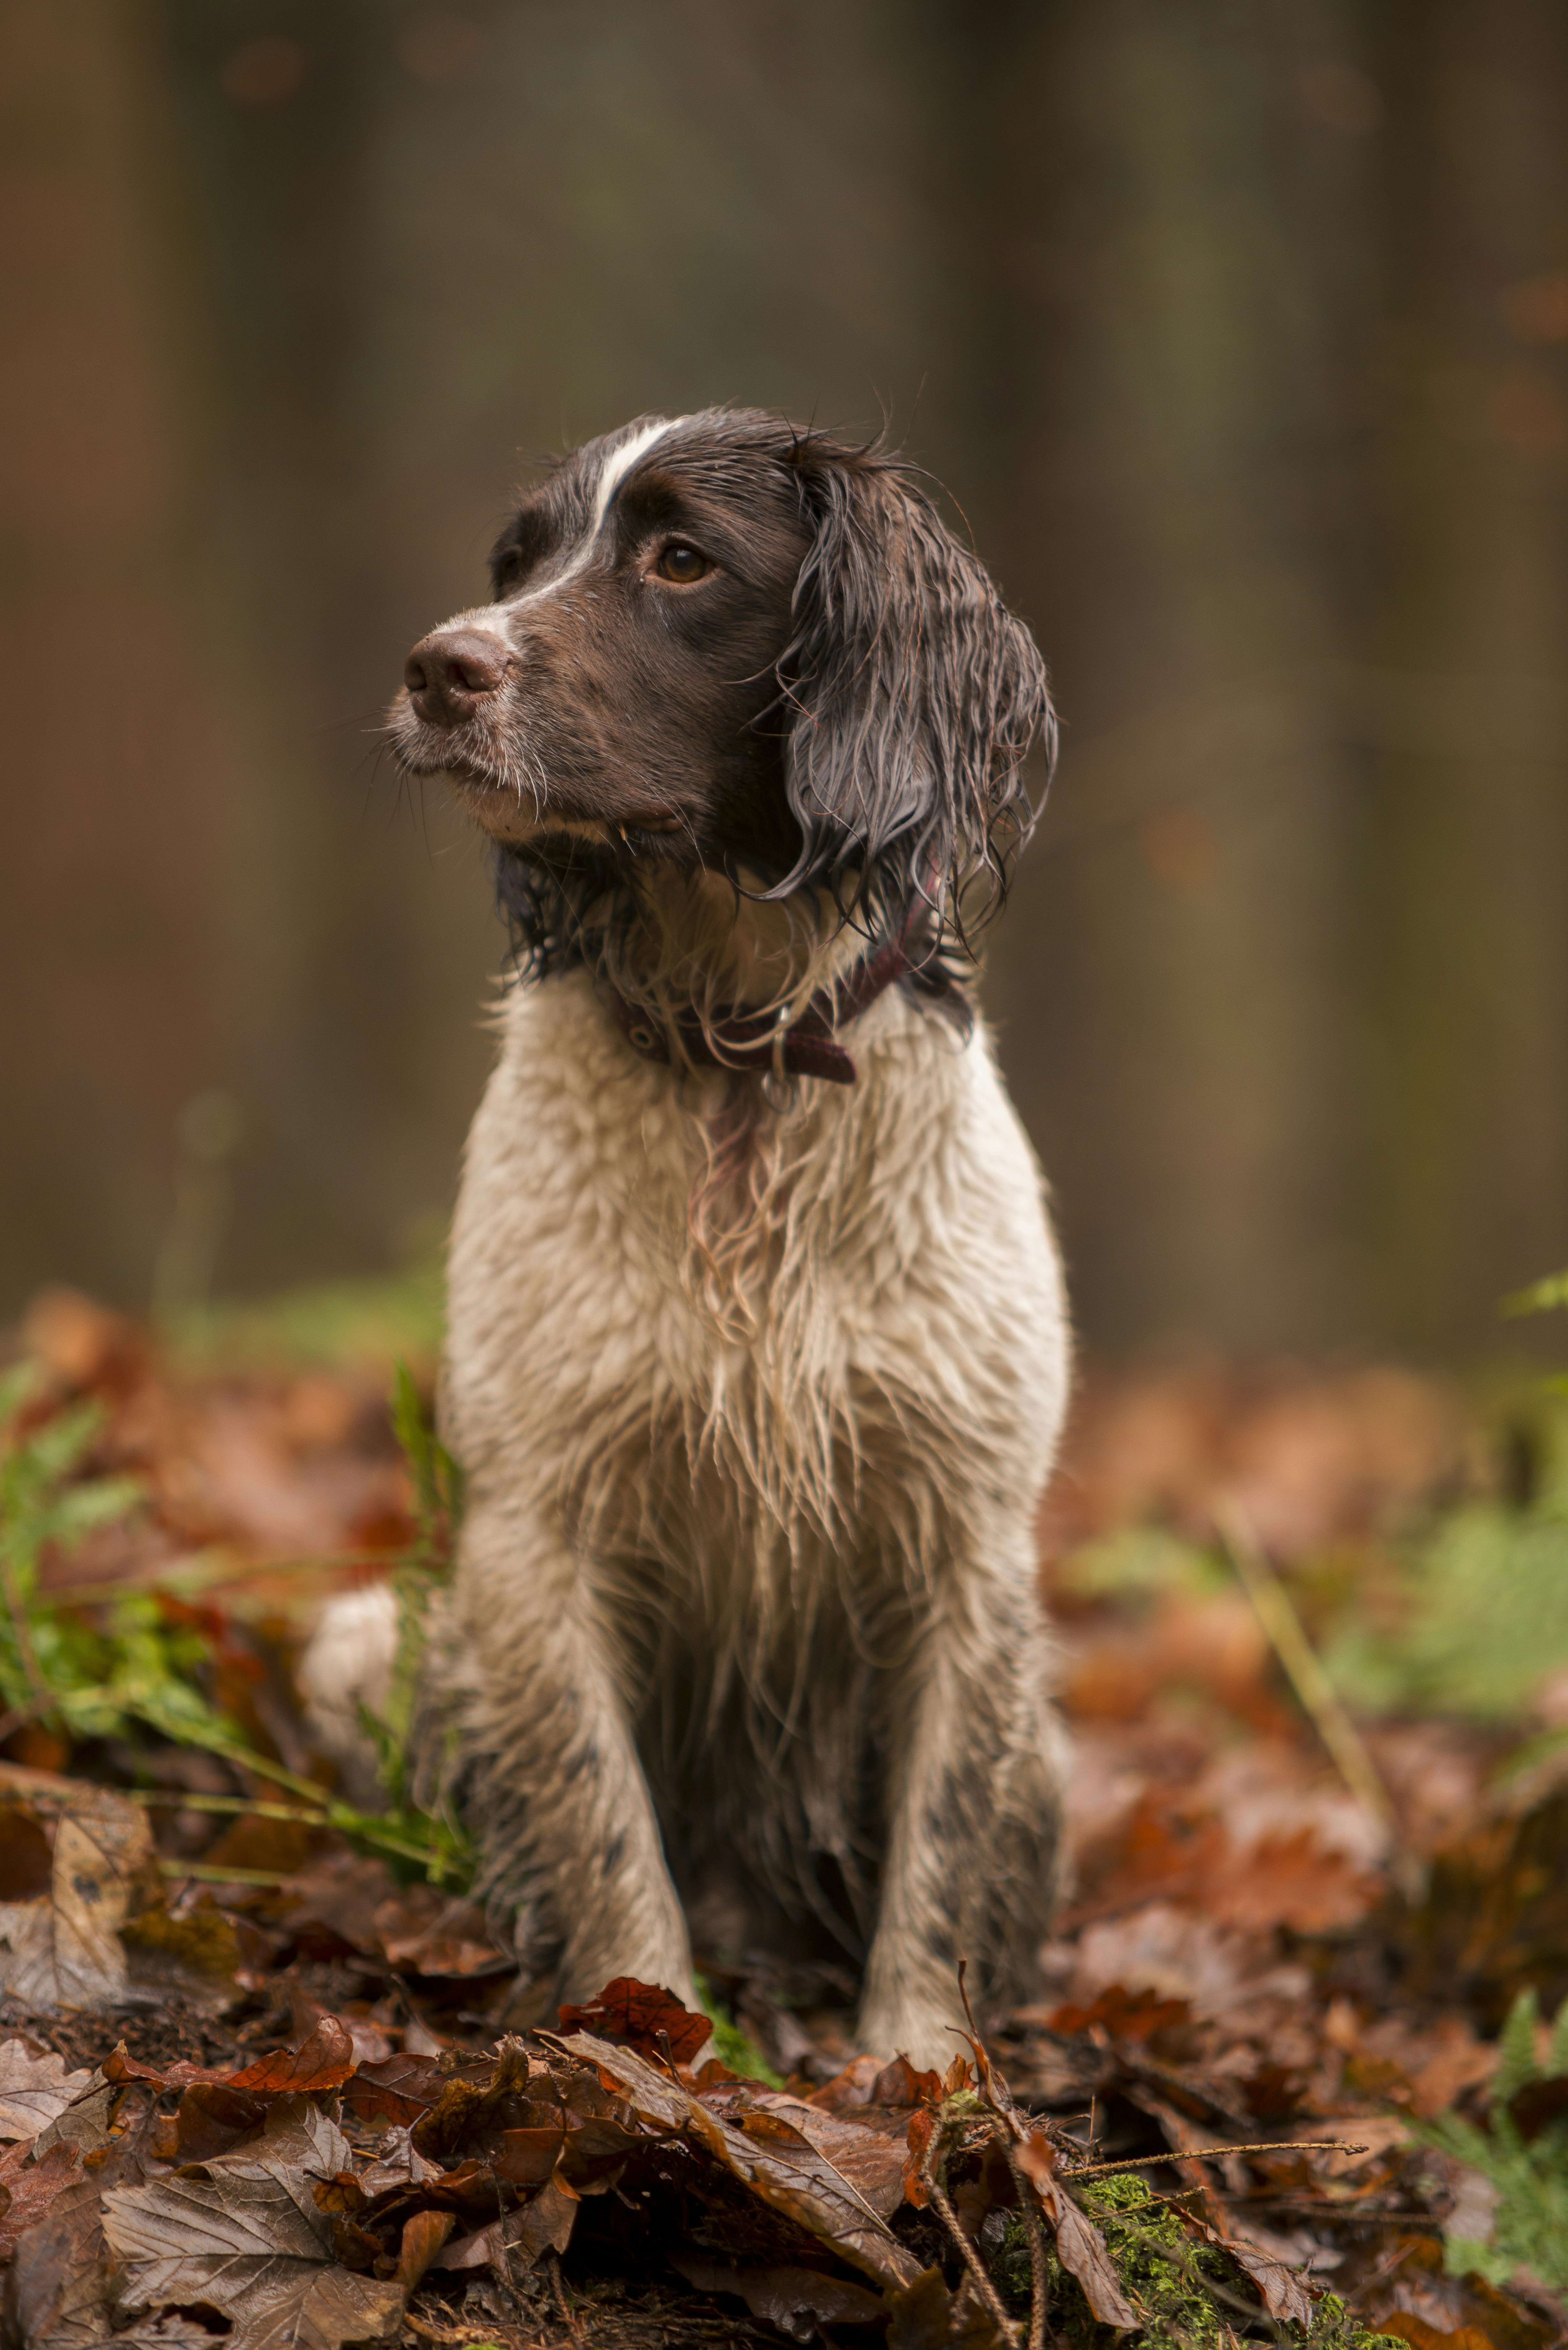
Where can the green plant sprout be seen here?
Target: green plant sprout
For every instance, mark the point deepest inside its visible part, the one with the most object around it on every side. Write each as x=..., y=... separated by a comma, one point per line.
x=140, y=1667
x=1529, y=2175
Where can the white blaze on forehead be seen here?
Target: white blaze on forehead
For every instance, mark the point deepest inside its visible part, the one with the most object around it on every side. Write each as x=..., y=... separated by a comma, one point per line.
x=614, y=468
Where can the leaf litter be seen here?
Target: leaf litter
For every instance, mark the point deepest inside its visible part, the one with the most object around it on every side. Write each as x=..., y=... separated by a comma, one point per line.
x=255, y=2080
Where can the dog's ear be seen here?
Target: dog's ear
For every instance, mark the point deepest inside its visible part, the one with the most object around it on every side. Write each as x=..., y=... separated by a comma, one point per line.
x=915, y=696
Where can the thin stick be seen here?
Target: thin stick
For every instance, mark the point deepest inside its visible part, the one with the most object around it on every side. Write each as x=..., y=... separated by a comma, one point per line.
x=1034, y=2220
x=1004, y=2324
x=1303, y=1665
x=1209, y=2153
x=558, y=2290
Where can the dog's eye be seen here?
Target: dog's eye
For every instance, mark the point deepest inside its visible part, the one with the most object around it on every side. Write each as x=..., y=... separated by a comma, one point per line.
x=683, y=564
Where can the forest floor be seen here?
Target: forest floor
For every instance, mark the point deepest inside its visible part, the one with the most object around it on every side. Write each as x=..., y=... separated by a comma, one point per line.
x=1315, y=1653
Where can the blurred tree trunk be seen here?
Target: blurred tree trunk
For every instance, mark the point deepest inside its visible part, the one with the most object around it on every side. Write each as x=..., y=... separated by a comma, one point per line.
x=117, y=808
x=353, y=1072
x=1464, y=870
x=1156, y=237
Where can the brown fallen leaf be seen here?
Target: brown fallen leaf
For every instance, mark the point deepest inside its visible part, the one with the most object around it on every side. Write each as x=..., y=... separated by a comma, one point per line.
x=642, y=2015
x=1284, y=2296
x=780, y=2166
x=319, y=2311
x=403, y=2088
x=63, y=1949
x=401, y=2164
x=873, y=2165
x=60, y=2291
x=1080, y=2246
x=323, y=2062
x=475, y=2102
x=511, y=2244
x=85, y=2122
x=433, y=1934
x=27, y=1865
x=871, y=2150
x=799, y=2302
x=245, y=2235
x=1422, y=2336
x=34, y=2090
x=32, y=2186
x=422, y=2238
x=213, y=2118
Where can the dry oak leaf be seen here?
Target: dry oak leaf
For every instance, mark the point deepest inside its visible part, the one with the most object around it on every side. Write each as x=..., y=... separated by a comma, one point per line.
x=245, y=2235
x=780, y=2166
x=84, y=2123
x=404, y=2088
x=323, y=2062
x=400, y=2164
x=872, y=2160
x=34, y=2090
x=59, y=2293
x=64, y=1949
x=1285, y=2296
x=544, y=2223
x=32, y=2186
x=1080, y=2246
x=644, y=2016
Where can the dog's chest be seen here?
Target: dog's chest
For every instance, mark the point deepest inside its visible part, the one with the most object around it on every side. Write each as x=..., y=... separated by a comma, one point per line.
x=670, y=1337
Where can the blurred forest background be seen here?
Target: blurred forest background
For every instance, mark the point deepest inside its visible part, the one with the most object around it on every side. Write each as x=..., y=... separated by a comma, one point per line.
x=1238, y=332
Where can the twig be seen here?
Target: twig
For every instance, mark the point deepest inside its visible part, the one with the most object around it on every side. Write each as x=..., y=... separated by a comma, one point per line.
x=1034, y=2220
x=558, y=2294
x=1208, y=2153
x=1303, y=1665
x=1004, y=2324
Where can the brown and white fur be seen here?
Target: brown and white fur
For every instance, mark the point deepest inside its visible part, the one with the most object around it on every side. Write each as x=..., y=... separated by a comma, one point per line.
x=756, y=1381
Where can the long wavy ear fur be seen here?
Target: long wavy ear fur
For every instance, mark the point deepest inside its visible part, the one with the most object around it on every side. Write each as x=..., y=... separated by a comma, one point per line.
x=916, y=696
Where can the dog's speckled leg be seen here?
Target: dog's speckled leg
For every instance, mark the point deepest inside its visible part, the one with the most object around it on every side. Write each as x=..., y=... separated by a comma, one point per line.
x=972, y=1862
x=549, y=1775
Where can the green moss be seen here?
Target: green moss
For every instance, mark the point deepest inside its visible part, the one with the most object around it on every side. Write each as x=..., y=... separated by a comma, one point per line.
x=1177, y=2285
x=731, y=2045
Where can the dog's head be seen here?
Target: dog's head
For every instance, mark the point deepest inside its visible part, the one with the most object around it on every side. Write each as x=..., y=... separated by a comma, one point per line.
x=728, y=643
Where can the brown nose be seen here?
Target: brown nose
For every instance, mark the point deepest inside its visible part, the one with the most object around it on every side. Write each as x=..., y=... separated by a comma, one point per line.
x=449, y=672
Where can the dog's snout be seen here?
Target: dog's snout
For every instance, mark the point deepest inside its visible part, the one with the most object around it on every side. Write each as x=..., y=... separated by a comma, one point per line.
x=451, y=673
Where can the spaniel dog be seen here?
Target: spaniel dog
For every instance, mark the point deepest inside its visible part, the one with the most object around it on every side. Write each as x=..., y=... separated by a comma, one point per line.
x=757, y=1347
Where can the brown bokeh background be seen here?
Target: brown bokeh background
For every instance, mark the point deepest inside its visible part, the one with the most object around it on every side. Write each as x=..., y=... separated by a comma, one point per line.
x=1239, y=333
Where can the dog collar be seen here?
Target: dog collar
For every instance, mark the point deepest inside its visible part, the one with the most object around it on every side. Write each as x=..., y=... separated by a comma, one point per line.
x=770, y=1042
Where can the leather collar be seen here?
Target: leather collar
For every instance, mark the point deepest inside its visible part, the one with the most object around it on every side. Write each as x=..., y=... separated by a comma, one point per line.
x=809, y=1047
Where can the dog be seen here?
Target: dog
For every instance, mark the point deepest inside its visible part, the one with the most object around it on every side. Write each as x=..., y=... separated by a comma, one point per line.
x=757, y=1350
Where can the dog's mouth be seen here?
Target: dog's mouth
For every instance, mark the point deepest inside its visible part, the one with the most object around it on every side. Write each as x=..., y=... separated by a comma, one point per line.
x=506, y=789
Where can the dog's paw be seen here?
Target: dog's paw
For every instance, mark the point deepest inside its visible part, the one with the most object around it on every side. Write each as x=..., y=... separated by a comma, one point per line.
x=348, y=1664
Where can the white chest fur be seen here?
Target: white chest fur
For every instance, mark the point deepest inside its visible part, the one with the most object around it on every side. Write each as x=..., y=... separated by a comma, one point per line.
x=871, y=1306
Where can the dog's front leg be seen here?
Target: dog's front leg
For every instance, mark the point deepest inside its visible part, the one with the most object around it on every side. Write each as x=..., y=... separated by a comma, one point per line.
x=551, y=1781
x=974, y=1811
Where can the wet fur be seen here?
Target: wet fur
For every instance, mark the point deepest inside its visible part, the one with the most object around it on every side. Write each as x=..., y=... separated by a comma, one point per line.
x=756, y=1389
